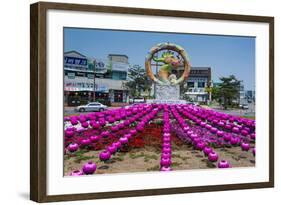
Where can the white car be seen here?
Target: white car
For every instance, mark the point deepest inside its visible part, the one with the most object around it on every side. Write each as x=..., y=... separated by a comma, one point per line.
x=244, y=106
x=93, y=106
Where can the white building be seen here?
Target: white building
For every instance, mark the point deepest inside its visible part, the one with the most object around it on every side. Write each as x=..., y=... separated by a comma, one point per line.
x=108, y=76
x=199, y=78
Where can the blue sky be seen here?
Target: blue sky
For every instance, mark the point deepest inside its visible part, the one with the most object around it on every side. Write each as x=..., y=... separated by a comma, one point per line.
x=226, y=55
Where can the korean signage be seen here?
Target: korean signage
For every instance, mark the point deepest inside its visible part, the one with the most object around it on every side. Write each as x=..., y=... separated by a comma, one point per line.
x=75, y=61
x=100, y=64
x=197, y=72
x=84, y=86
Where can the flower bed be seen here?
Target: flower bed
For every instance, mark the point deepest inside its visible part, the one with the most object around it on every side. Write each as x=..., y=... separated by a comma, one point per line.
x=165, y=130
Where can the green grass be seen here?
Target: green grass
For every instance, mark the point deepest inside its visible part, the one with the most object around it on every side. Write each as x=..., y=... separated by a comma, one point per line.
x=80, y=158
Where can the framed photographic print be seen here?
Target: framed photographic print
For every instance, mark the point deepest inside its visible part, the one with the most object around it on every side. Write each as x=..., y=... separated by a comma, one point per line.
x=134, y=102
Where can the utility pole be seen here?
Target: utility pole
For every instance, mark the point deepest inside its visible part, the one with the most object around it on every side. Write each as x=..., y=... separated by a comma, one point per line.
x=94, y=87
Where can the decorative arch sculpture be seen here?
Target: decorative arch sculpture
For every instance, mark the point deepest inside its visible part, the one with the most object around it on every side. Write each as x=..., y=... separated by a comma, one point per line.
x=170, y=62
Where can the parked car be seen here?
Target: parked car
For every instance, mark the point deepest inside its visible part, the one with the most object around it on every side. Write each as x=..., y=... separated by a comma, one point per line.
x=93, y=106
x=244, y=106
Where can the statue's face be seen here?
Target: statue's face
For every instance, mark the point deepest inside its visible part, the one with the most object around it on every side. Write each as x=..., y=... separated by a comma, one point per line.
x=172, y=60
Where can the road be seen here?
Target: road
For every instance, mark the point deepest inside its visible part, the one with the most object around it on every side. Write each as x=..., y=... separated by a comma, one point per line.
x=71, y=111
x=237, y=112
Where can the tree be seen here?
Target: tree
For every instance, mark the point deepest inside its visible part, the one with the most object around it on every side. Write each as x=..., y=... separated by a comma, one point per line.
x=137, y=81
x=227, y=91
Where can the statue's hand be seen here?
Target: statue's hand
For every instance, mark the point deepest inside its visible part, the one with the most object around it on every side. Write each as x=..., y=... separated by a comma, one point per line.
x=173, y=82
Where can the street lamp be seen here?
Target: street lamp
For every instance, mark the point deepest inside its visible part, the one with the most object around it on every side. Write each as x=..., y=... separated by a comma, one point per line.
x=94, y=87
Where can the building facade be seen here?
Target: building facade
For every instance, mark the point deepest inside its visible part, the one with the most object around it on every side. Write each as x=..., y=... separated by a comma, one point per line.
x=250, y=95
x=92, y=79
x=199, y=79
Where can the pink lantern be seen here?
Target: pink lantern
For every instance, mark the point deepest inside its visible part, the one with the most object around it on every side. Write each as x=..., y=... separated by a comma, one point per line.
x=123, y=140
x=245, y=146
x=85, y=124
x=104, y=134
x=85, y=142
x=165, y=162
x=73, y=147
x=94, y=138
x=89, y=168
x=76, y=173
x=69, y=133
x=213, y=156
x=223, y=164
x=244, y=132
x=112, y=149
x=133, y=132
x=254, y=151
x=207, y=150
x=166, y=169
x=235, y=130
x=105, y=155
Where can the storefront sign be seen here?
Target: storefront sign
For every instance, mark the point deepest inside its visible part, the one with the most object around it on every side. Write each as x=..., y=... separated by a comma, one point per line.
x=75, y=61
x=81, y=86
x=102, y=88
x=100, y=64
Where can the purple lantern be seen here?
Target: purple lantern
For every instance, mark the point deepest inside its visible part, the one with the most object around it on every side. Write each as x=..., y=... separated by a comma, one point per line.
x=73, y=147
x=253, y=136
x=200, y=145
x=207, y=150
x=89, y=168
x=105, y=155
x=244, y=132
x=245, y=146
x=85, y=124
x=235, y=129
x=165, y=169
x=85, y=142
x=234, y=140
x=94, y=138
x=223, y=164
x=123, y=140
x=69, y=133
x=165, y=162
x=112, y=149
x=213, y=156
x=76, y=173
x=254, y=151
x=105, y=134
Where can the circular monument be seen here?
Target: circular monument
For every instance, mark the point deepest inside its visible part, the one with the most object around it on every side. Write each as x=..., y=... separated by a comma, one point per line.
x=169, y=59
x=172, y=57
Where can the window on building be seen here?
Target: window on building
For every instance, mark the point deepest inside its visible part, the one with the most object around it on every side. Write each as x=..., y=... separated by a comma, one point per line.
x=80, y=74
x=201, y=84
x=71, y=75
x=117, y=75
x=90, y=76
x=190, y=84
